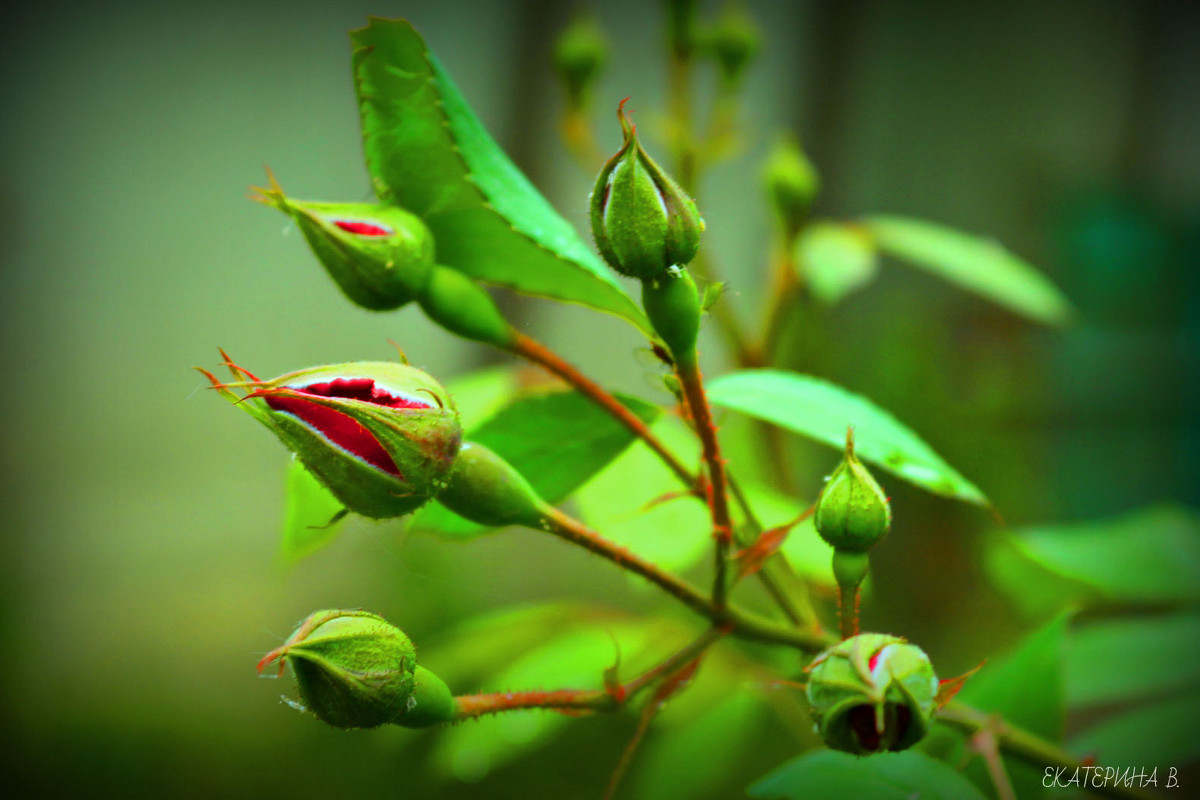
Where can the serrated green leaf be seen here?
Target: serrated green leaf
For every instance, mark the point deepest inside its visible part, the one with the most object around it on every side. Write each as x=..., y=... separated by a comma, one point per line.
x=1147, y=557
x=1119, y=660
x=428, y=153
x=1159, y=735
x=820, y=410
x=556, y=439
x=831, y=775
x=976, y=264
x=1026, y=689
x=835, y=260
x=311, y=514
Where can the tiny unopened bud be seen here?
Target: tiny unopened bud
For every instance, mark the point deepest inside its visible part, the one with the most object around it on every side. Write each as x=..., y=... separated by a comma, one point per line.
x=354, y=669
x=644, y=224
x=379, y=255
x=381, y=436
x=853, y=514
x=872, y=693
x=791, y=182
x=735, y=40
x=579, y=55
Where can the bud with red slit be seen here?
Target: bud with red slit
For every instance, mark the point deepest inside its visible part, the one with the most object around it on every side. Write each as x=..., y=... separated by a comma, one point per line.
x=381, y=436
x=381, y=256
x=872, y=693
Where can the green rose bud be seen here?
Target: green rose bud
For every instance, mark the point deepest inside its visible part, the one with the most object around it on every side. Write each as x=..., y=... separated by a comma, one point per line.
x=735, y=41
x=872, y=693
x=381, y=436
x=643, y=222
x=379, y=255
x=791, y=182
x=852, y=514
x=579, y=55
x=353, y=669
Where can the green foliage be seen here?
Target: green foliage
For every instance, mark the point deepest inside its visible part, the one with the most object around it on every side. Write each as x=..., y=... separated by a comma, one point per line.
x=830, y=775
x=822, y=411
x=835, y=260
x=978, y=265
x=311, y=514
x=428, y=153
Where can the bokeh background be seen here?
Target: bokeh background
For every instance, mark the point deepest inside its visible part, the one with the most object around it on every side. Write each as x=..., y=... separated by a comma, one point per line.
x=140, y=579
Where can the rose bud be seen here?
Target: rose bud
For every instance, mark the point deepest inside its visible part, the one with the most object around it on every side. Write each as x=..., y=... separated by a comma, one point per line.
x=579, y=55
x=381, y=436
x=355, y=670
x=379, y=255
x=792, y=184
x=735, y=41
x=643, y=222
x=852, y=514
x=872, y=693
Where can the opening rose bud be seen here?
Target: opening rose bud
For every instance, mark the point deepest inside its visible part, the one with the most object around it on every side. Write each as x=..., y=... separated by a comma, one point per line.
x=381, y=436
x=354, y=669
x=380, y=256
x=872, y=693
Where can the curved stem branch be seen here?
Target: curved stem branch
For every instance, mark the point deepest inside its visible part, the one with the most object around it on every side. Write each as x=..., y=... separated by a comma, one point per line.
x=539, y=354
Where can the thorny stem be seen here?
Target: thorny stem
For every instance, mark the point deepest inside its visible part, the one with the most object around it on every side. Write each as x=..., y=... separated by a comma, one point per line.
x=538, y=353
x=688, y=369
x=472, y=706
x=1026, y=746
x=742, y=624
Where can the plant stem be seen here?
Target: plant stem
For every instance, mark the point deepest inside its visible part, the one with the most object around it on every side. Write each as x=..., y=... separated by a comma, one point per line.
x=848, y=612
x=539, y=354
x=1023, y=744
x=741, y=624
x=472, y=706
x=687, y=367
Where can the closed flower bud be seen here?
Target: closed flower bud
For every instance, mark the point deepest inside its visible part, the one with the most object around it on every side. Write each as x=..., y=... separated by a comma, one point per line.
x=852, y=514
x=735, y=41
x=872, y=693
x=643, y=222
x=381, y=436
x=353, y=669
x=579, y=55
x=379, y=255
x=791, y=182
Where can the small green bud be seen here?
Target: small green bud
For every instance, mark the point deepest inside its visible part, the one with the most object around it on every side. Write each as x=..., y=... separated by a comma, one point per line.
x=354, y=669
x=381, y=436
x=872, y=693
x=464, y=308
x=579, y=55
x=673, y=306
x=735, y=41
x=643, y=222
x=852, y=514
x=792, y=183
x=379, y=255
x=485, y=488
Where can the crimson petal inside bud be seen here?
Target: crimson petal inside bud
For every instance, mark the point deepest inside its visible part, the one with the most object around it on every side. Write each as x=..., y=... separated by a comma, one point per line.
x=363, y=228
x=339, y=428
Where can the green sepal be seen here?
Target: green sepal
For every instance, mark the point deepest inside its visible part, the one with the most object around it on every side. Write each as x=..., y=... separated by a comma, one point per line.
x=380, y=270
x=871, y=693
x=432, y=702
x=642, y=221
x=464, y=308
x=673, y=305
x=485, y=488
x=853, y=513
x=353, y=669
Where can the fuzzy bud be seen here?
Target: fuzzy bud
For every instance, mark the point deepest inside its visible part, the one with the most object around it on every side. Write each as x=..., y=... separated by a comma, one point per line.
x=380, y=256
x=853, y=514
x=381, y=436
x=353, y=669
x=643, y=222
x=872, y=693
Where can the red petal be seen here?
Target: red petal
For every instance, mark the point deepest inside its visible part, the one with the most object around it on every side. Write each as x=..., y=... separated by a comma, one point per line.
x=362, y=228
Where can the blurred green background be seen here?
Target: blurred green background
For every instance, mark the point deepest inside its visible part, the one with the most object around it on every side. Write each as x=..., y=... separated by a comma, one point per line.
x=139, y=578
